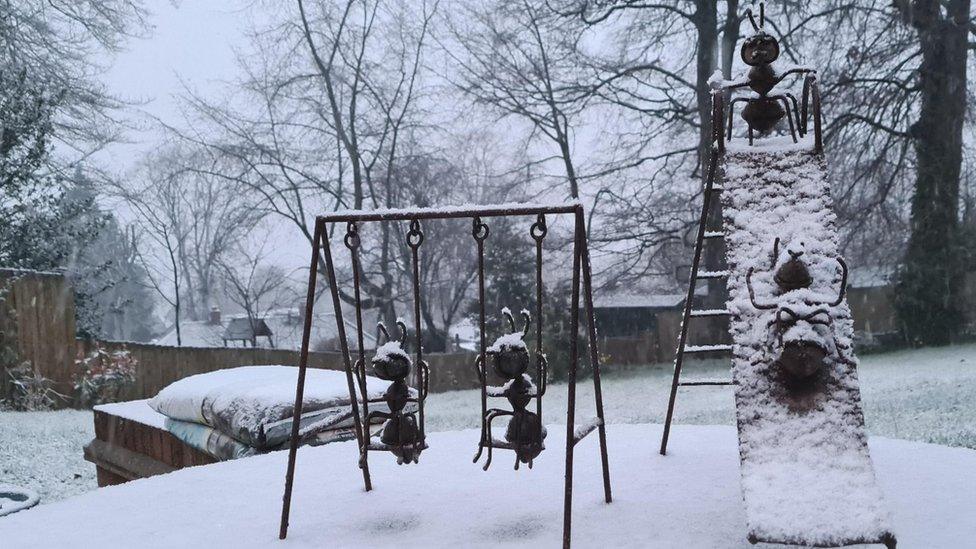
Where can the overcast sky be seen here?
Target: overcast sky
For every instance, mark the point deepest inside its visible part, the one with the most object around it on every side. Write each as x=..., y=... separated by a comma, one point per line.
x=193, y=42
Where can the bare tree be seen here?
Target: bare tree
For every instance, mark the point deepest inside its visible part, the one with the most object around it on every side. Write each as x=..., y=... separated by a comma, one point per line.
x=254, y=284
x=193, y=220
x=336, y=86
x=61, y=44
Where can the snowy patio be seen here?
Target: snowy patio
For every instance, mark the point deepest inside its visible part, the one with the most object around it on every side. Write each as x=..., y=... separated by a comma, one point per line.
x=691, y=498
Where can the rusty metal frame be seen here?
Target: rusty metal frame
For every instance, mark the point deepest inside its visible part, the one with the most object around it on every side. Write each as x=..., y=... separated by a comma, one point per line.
x=355, y=373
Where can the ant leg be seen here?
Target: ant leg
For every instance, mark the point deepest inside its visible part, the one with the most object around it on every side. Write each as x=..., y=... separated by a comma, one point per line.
x=789, y=115
x=732, y=111
x=490, y=442
x=750, y=135
x=485, y=433
x=800, y=125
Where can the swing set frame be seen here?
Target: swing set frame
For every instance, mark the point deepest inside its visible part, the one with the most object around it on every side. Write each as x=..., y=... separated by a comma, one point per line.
x=355, y=370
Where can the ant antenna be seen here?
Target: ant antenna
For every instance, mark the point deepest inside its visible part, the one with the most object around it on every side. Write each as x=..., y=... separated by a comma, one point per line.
x=752, y=19
x=762, y=14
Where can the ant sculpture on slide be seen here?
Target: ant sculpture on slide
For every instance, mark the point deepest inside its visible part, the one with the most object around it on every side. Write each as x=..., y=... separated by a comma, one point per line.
x=763, y=111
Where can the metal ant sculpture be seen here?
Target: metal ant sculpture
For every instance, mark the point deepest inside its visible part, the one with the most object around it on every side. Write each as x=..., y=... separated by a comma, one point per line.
x=802, y=349
x=401, y=434
x=764, y=112
x=510, y=360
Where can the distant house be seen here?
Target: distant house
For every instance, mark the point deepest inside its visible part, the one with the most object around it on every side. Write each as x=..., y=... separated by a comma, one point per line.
x=631, y=314
x=246, y=330
x=277, y=328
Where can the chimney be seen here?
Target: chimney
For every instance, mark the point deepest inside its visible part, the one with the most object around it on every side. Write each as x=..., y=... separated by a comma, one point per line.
x=215, y=315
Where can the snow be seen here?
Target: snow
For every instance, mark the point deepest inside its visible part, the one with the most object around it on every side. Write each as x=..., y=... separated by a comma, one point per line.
x=459, y=209
x=135, y=410
x=43, y=451
x=389, y=350
x=507, y=342
x=926, y=395
x=16, y=498
x=688, y=499
x=772, y=144
x=254, y=404
x=806, y=473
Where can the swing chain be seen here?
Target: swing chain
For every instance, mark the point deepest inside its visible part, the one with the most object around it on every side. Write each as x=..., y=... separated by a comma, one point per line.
x=539, y=228
x=352, y=239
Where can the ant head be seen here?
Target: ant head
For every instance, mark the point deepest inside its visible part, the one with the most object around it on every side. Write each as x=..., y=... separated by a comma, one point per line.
x=760, y=48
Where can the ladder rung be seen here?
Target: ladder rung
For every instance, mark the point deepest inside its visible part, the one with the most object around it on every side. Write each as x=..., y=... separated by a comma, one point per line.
x=706, y=382
x=705, y=275
x=714, y=234
x=710, y=312
x=707, y=348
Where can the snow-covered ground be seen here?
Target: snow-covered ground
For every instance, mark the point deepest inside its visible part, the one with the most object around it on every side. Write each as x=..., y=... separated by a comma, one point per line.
x=42, y=451
x=690, y=498
x=927, y=395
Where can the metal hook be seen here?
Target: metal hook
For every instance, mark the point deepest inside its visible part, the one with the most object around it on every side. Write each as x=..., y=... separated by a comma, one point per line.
x=352, y=239
x=415, y=236
x=539, y=228
x=478, y=229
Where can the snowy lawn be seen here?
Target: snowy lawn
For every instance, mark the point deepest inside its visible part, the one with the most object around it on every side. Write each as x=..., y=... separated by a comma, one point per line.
x=691, y=498
x=42, y=451
x=927, y=395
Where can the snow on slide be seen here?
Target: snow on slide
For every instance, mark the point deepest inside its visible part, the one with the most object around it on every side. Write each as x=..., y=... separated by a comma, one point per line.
x=806, y=472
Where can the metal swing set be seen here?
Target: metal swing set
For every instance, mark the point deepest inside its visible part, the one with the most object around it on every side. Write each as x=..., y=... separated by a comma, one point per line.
x=403, y=433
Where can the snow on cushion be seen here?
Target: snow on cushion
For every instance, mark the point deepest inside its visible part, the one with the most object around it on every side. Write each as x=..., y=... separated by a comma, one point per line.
x=254, y=404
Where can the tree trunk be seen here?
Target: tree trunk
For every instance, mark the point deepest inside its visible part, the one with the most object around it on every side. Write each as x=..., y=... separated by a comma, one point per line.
x=706, y=23
x=930, y=281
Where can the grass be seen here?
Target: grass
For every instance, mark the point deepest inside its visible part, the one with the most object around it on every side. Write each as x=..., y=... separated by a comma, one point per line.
x=926, y=395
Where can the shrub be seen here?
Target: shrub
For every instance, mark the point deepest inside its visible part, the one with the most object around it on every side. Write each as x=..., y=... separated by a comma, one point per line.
x=29, y=391
x=103, y=374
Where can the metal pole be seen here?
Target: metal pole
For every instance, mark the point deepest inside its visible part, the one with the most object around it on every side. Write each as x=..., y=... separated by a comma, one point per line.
x=594, y=357
x=344, y=346
x=571, y=398
x=300, y=386
x=353, y=240
x=480, y=233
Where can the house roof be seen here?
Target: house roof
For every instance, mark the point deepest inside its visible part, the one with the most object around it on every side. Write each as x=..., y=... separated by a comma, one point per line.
x=243, y=329
x=637, y=300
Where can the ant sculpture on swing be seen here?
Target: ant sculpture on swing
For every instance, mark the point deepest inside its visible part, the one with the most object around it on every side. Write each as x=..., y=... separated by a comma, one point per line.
x=800, y=350
x=401, y=434
x=510, y=360
x=764, y=111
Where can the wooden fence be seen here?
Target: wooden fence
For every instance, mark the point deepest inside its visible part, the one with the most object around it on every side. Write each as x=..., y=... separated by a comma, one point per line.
x=37, y=321
x=158, y=365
